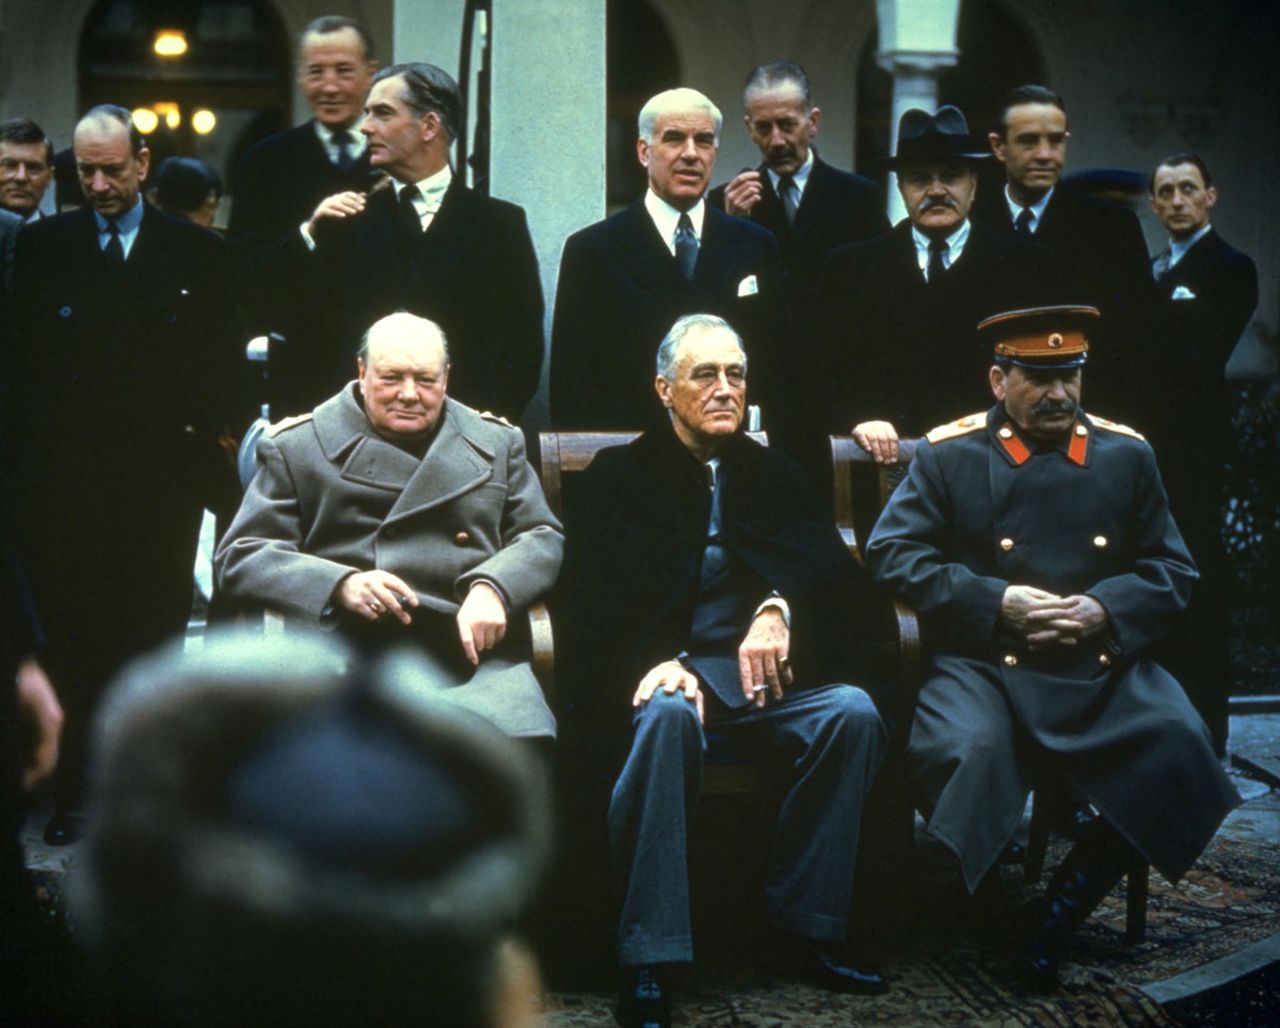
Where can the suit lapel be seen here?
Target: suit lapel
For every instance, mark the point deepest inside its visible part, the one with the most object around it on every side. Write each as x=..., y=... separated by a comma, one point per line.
x=454, y=464
x=452, y=233
x=769, y=212
x=642, y=252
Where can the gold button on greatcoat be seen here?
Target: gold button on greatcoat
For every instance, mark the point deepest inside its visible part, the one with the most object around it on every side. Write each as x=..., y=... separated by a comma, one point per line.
x=1100, y=541
x=1006, y=432
x=1104, y=660
x=1010, y=660
x=1006, y=545
x=462, y=538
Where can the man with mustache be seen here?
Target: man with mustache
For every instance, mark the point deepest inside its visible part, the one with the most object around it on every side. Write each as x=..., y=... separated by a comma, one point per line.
x=400, y=517
x=909, y=300
x=1035, y=541
x=624, y=280
x=692, y=553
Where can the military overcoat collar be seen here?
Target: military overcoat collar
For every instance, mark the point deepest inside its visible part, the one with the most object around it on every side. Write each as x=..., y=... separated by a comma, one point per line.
x=1016, y=449
x=459, y=458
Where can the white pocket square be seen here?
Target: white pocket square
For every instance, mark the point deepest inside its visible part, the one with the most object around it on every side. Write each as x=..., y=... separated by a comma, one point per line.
x=1183, y=293
x=748, y=286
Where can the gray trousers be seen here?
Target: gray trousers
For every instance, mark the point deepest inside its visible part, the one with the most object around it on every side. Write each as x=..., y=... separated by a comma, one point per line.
x=834, y=740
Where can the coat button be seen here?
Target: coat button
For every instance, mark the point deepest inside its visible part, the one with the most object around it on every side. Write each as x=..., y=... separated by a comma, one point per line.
x=1010, y=660
x=1006, y=544
x=1100, y=541
x=462, y=538
x=1006, y=432
x=1104, y=660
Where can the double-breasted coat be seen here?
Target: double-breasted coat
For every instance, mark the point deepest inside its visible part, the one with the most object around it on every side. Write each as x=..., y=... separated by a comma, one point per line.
x=331, y=497
x=983, y=508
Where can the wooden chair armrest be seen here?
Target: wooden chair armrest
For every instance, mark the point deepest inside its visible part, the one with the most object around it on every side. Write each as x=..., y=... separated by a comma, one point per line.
x=544, y=648
x=909, y=650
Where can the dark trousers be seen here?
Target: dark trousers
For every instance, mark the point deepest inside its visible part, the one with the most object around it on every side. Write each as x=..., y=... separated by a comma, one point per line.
x=834, y=740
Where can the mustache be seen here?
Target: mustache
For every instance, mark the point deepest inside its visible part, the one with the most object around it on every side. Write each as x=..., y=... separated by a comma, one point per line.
x=1054, y=407
x=929, y=202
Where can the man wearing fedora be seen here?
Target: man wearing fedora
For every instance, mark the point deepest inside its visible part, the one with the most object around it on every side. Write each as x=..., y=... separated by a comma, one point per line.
x=1036, y=542
x=910, y=299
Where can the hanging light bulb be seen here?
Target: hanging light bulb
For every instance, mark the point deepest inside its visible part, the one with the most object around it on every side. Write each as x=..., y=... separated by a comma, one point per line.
x=203, y=121
x=170, y=43
x=145, y=120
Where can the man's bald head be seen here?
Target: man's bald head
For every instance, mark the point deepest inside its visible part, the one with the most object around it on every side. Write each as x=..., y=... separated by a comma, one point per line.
x=403, y=364
x=111, y=159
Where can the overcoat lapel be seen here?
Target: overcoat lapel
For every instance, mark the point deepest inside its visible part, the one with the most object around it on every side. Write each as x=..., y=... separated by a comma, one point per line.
x=448, y=238
x=642, y=252
x=455, y=464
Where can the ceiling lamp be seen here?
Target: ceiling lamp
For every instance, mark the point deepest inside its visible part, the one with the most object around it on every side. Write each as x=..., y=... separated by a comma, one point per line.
x=170, y=43
x=145, y=120
x=203, y=121
x=169, y=111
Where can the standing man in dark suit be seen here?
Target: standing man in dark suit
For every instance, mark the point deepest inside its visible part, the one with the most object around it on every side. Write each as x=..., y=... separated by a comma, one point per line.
x=425, y=243
x=808, y=205
x=911, y=300
x=124, y=356
x=624, y=280
x=26, y=167
x=693, y=552
x=1207, y=291
x=1098, y=246
x=281, y=179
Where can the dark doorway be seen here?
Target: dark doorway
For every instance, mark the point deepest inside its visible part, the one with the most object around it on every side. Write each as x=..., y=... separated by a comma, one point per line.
x=640, y=60
x=996, y=54
x=204, y=78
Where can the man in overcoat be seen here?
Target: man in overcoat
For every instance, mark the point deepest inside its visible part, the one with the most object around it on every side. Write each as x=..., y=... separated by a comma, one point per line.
x=124, y=355
x=1036, y=542
x=281, y=178
x=709, y=594
x=1206, y=293
x=624, y=280
x=900, y=348
x=425, y=243
x=399, y=516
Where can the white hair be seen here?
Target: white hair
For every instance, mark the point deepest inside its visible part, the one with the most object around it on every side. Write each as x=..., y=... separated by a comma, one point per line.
x=676, y=101
x=669, y=349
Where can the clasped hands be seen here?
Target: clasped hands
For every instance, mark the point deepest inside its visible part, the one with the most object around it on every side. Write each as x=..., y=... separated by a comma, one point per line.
x=1043, y=620
x=482, y=618
x=763, y=666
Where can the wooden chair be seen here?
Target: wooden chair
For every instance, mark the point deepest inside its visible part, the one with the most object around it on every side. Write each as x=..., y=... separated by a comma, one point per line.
x=862, y=488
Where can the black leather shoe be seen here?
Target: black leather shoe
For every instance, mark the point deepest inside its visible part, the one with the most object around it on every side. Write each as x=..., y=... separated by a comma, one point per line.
x=63, y=829
x=833, y=971
x=644, y=1001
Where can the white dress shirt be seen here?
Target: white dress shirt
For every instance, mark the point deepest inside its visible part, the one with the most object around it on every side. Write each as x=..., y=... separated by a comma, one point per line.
x=1178, y=248
x=955, y=247
x=800, y=177
x=667, y=218
x=1036, y=209
x=356, y=148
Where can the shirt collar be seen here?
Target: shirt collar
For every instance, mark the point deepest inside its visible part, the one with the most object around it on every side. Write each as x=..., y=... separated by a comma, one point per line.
x=665, y=217
x=955, y=245
x=127, y=222
x=1036, y=209
x=800, y=176
x=325, y=135
x=432, y=188
x=1178, y=248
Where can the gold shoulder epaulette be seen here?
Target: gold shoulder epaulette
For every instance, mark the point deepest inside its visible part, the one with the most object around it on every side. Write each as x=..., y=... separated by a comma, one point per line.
x=961, y=426
x=276, y=427
x=1113, y=426
x=488, y=415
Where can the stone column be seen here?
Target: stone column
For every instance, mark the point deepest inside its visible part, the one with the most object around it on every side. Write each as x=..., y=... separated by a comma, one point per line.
x=917, y=43
x=547, y=145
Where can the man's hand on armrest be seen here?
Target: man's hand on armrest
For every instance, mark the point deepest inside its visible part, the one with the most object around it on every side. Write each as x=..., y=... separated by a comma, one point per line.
x=878, y=438
x=482, y=620
x=670, y=676
x=374, y=593
x=763, y=663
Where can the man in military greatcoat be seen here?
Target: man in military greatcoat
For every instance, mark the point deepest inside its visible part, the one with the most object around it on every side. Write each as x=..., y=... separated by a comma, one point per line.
x=399, y=516
x=1036, y=542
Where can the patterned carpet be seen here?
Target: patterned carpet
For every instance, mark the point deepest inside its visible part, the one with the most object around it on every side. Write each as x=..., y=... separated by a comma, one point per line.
x=952, y=967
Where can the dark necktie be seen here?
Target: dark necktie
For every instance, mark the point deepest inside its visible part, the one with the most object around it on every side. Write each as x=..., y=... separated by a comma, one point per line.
x=409, y=224
x=937, y=247
x=686, y=247
x=343, y=141
x=114, y=248
x=1161, y=266
x=789, y=193
x=1022, y=223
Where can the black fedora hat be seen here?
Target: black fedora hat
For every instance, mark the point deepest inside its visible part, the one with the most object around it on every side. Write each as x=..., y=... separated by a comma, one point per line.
x=933, y=137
